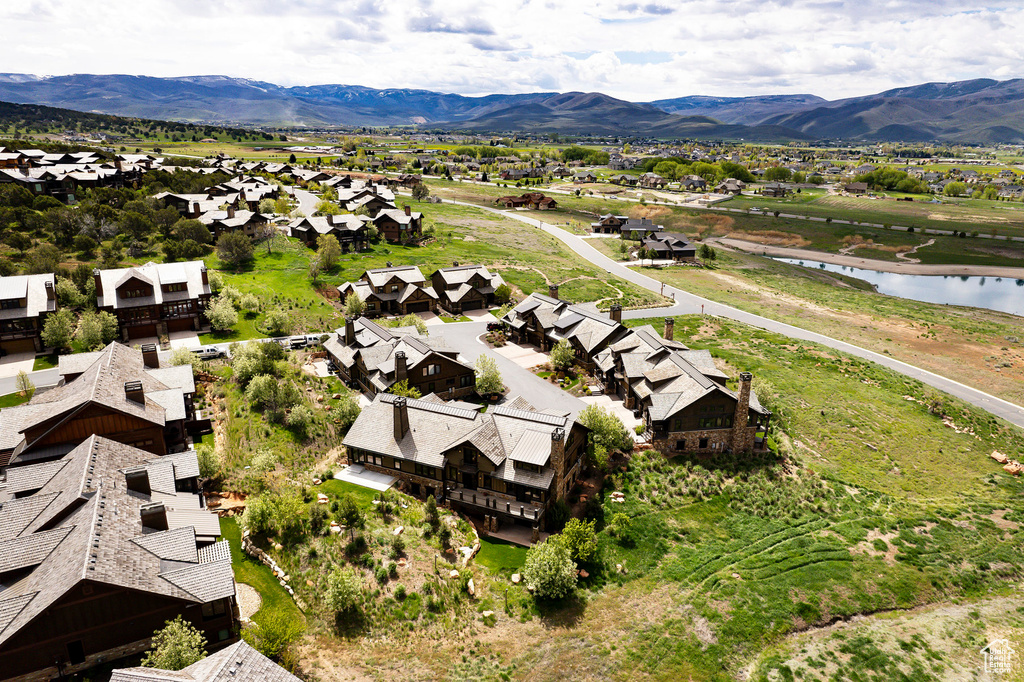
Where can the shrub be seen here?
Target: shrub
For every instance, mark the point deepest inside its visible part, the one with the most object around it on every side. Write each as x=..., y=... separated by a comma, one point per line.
x=299, y=420
x=348, y=512
x=318, y=519
x=258, y=516
x=272, y=635
x=580, y=539
x=177, y=645
x=343, y=591
x=549, y=570
x=562, y=355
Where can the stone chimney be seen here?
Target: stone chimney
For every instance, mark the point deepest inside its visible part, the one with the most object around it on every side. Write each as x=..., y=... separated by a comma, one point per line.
x=149, y=356
x=137, y=479
x=231, y=211
x=455, y=263
x=670, y=325
x=408, y=211
x=388, y=264
x=553, y=290
x=615, y=313
x=99, y=282
x=401, y=368
x=154, y=516
x=194, y=213
x=48, y=285
x=117, y=163
x=133, y=391
x=742, y=436
x=558, y=461
x=401, y=418
x=350, y=331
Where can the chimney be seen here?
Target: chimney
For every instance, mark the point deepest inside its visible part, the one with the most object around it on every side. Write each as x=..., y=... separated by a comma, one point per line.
x=241, y=196
x=553, y=291
x=615, y=313
x=205, y=276
x=455, y=263
x=117, y=163
x=558, y=461
x=388, y=264
x=133, y=391
x=408, y=211
x=350, y=331
x=195, y=210
x=401, y=418
x=99, y=282
x=742, y=437
x=231, y=211
x=149, y=356
x=670, y=324
x=48, y=285
x=401, y=368
x=154, y=516
x=137, y=479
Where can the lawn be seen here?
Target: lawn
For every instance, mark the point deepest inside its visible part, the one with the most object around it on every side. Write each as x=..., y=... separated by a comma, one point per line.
x=499, y=556
x=363, y=496
x=251, y=572
x=44, y=362
x=12, y=399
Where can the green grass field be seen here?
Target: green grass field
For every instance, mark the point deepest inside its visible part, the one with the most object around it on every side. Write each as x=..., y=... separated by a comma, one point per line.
x=251, y=572
x=499, y=556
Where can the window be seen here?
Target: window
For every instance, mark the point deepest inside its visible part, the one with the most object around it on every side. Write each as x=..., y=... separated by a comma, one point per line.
x=214, y=609
x=469, y=457
x=466, y=380
x=681, y=444
x=431, y=370
x=723, y=422
x=430, y=387
x=76, y=652
x=703, y=444
x=394, y=288
x=425, y=471
x=677, y=424
x=181, y=286
x=182, y=309
x=526, y=466
x=10, y=303
x=449, y=382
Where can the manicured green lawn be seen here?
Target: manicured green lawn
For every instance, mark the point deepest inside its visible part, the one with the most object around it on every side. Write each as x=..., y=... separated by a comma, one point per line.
x=335, y=489
x=12, y=399
x=45, y=362
x=500, y=556
x=251, y=572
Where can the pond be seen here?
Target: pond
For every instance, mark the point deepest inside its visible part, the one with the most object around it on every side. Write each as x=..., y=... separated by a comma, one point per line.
x=1004, y=294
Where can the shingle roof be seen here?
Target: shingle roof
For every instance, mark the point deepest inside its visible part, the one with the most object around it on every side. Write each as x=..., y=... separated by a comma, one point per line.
x=236, y=663
x=33, y=289
x=189, y=273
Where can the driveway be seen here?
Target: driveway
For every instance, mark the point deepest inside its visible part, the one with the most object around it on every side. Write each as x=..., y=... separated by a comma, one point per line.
x=615, y=405
x=480, y=315
x=11, y=364
x=525, y=356
x=430, y=319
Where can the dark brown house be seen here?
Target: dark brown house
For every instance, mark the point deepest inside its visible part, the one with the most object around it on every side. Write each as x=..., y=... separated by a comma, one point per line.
x=508, y=465
x=465, y=287
x=97, y=551
x=350, y=230
x=155, y=299
x=399, y=226
x=393, y=291
x=25, y=301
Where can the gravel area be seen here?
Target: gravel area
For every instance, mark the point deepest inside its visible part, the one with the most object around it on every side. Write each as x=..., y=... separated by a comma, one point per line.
x=248, y=600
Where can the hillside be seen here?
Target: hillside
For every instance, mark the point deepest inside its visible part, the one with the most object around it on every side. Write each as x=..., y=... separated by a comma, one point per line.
x=738, y=110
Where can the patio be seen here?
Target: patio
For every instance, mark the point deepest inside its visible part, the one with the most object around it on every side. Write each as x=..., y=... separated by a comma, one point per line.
x=11, y=364
x=526, y=356
x=357, y=474
x=496, y=504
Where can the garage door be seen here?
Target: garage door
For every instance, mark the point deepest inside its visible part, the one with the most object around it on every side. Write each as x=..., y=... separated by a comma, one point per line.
x=419, y=307
x=142, y=331
x=183, y=324
x=18, y=346
x=472, y=305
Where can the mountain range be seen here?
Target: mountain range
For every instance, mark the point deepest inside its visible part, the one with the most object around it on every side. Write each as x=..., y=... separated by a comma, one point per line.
x=981, y=110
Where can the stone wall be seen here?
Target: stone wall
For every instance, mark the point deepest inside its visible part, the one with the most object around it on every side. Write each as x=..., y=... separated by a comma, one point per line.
x=252, y=550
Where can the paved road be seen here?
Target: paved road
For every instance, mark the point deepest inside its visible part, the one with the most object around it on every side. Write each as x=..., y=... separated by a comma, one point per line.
x=463, y=337
x=688, y=303
x=307, y=201
x=41, y=379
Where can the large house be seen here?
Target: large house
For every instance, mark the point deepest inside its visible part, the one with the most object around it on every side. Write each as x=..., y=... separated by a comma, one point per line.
x=238, y=663
x=670, y=246
x=399, y=226
x=374, y=359
x=508, y=464
x=393, y=291
x=233, y=220
x=98, y=550
x=630, y=228
x=683, y=397
x=545, y=320
x=25, y=301
x=535, y=200
x=350, y=230
x=465, y=287
x=118, y=392
x=154, y=299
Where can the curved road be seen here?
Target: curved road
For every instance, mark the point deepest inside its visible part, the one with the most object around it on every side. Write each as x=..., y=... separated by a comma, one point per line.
x=687, y=303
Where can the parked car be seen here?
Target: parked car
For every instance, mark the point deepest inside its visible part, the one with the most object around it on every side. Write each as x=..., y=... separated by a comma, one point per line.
x=314, y=339
x=208, y=353
x=493, y=326
x=297, y=342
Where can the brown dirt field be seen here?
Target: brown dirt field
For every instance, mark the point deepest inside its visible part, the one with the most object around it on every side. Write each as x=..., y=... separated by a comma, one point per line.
x=770, y=237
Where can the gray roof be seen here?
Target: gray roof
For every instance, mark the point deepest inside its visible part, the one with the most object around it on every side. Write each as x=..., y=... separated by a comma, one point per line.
x=236, y=663
x=189, y=273
x=30, y=287
x=99, y=536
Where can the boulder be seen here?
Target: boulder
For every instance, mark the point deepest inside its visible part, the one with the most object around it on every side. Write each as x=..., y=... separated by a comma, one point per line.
x=516, y=578
x=999, y=457
x=398, y=530
x=471, y=588
x=453, y=574
x=321, y=498
x=487, y=614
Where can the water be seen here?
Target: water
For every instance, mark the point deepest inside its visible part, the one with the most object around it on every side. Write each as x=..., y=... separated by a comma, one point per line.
x=995, y=293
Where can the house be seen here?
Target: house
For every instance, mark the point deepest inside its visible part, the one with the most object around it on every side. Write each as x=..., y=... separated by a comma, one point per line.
x=350, y=230
x=585, y=176
x=508, y=465
x=609, y=224
x=775, y=189
x=652, y=181
x=856, y=187
x=693, y=183
x=25, y=301
x=545, y=320
x=730, y=186
x=670, y=246
x=465, y=287
x=118, y=392
x=238, y=662
x=393, y=291
x=98, y=549
x=399, y=226
x=231, y=220
x=623, y=179
x=638, y=228
x=373, y=359
x=154, y=299
x=683, y=397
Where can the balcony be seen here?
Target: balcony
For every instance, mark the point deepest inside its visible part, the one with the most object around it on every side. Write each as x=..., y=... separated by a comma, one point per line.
x=497, y=504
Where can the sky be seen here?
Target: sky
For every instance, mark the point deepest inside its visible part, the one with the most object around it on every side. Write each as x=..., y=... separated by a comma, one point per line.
x=639, y=51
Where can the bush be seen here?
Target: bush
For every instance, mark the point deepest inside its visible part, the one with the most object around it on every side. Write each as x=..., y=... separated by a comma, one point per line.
x=318, y=520
x=549, y=570
x=177, y=645
x=346, y=411
x=622, y=529
x=580, y=539
x=343, y=591
x=222, y=314
x=348, y=512
x=258, y=516
x=606, y=430
x=299, y=420
x=562, y=355
x=276, y=323
x=272, y=635
x=209, y=463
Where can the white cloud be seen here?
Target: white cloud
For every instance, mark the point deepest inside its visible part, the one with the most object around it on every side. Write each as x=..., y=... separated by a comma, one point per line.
x=830, y=48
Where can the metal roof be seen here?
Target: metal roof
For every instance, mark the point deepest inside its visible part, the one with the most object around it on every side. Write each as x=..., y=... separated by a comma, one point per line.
x=430, y=406
x=540, y=418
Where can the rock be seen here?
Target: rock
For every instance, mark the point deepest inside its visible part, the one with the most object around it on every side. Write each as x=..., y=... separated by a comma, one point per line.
x=398, y=530
x=487, y=614
x=278, y=546
x=336, y=396
x=999, y=457
x=1014, y=467
x=335, y=528
x=583, y=574
x=403, y=562
x=516, y=578
x=618, y=568
x=736, y=576
x=317, y=481
x=321, y=498
x=471, y=588
x=309, y=583
x=453, y=574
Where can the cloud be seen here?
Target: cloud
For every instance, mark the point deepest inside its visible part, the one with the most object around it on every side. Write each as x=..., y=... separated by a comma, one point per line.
x=649, y=8
x=491, y=45
x=431, y=23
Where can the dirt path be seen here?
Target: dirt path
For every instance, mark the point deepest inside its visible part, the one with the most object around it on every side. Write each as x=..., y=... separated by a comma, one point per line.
x=911, y=268
x=905, y=255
